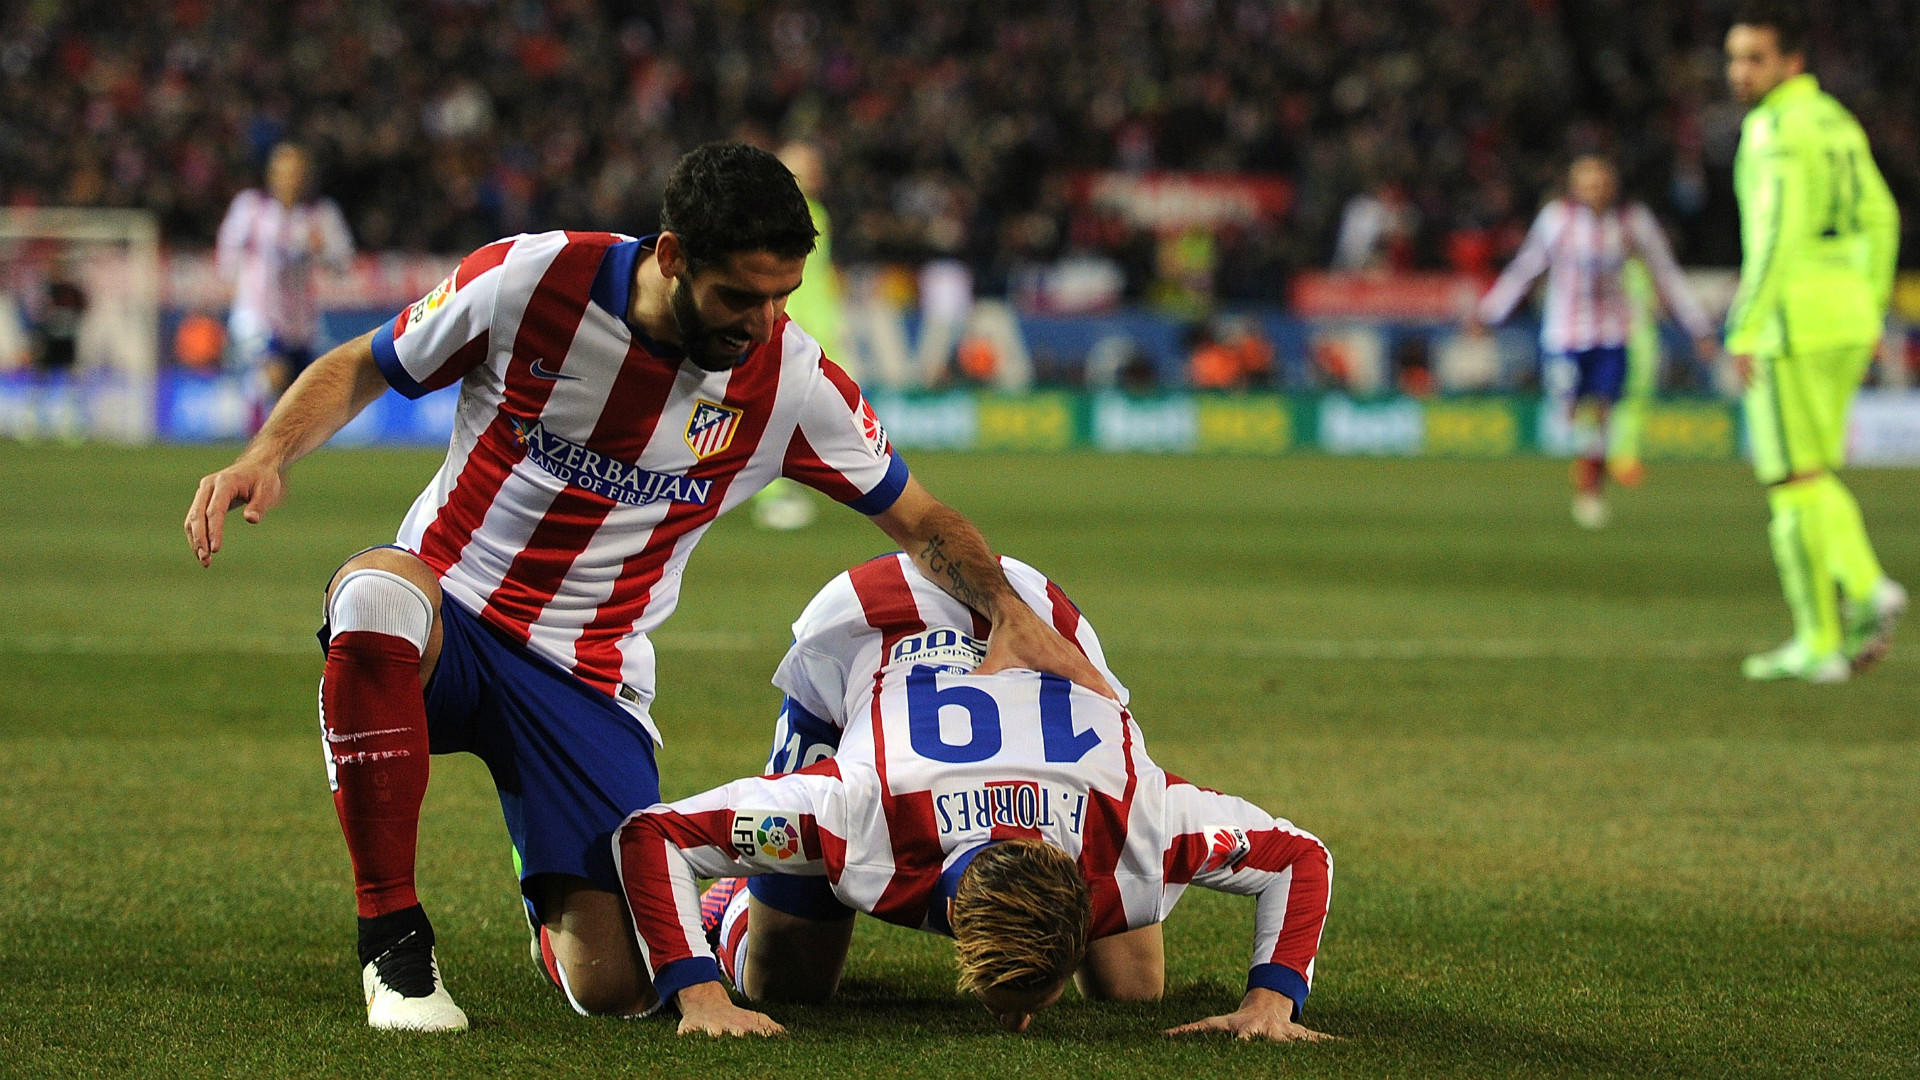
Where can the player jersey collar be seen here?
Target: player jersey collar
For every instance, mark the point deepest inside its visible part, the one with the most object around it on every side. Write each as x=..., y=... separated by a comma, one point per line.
x=613, y=291
x=1797, y=86
x=949, y=885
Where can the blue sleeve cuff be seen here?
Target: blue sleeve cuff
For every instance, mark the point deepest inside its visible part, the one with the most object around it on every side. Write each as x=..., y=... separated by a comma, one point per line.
x=887, y=491
x=681, y=974
x=800, y=897
x=388, y=359
x=1280, y=979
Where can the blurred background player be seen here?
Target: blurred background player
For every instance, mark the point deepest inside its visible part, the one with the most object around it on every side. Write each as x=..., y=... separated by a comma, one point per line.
x=55, y=315
x=815, y=305
x=269, y=244
x=1820, y=233
x=1627, y=421
x=1581, y=243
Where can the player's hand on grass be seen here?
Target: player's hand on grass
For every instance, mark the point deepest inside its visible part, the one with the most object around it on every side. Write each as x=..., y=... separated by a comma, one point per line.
x=1023, y=641
x=252, y=482
x=706, y=1009
x=1263, y=1014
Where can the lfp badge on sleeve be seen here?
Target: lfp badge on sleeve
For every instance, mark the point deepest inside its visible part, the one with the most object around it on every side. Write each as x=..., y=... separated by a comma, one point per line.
x=711, y=428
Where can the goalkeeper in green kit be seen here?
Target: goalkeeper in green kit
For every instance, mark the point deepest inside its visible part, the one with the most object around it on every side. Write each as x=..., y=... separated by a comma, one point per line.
x=1819, y=233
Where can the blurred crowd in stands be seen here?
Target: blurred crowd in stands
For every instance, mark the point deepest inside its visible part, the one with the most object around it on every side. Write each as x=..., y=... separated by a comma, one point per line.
x=1413, y=133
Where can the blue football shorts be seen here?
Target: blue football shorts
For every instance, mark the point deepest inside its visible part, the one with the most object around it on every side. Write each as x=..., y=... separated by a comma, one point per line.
x=1602, y=372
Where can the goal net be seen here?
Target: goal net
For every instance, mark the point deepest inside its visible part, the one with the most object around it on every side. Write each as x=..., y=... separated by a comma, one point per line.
x=79, y=323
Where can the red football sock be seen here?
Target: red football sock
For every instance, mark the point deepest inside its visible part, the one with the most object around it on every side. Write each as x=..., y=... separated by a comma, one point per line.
x=376, y=730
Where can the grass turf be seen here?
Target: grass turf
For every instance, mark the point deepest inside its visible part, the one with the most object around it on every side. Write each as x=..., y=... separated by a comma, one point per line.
x=1570, y=841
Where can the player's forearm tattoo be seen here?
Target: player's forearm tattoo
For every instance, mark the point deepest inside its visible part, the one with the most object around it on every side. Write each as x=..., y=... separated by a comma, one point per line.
x=945, y=568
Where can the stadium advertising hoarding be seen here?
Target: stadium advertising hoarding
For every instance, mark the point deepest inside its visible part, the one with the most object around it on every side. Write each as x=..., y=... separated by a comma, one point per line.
x=192, y=407
x=1269, y=424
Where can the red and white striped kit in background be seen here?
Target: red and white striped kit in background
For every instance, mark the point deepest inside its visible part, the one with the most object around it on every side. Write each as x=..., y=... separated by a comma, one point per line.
x=1583, y=254
x=934, y=762
x=587, y=461
x=269, y=251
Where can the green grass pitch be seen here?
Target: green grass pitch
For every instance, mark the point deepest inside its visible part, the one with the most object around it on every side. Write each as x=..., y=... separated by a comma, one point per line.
x=1569, y=840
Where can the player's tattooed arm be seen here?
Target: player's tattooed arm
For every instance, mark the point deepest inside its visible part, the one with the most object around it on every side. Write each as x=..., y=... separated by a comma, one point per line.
x=954, y=573
x=953, y=555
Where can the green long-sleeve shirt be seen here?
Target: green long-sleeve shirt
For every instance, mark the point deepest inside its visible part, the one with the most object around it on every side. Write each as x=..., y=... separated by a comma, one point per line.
x=1818, y=227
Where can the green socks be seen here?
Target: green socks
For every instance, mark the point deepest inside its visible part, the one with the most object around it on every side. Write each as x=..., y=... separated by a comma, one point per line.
x=1849, y=552
x=1801, y=550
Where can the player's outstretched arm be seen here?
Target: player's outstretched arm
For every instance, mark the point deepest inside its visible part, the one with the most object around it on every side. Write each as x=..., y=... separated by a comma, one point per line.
x=706, y=1009
x=952, y=554
x=1263, y=1014
x=327, y=395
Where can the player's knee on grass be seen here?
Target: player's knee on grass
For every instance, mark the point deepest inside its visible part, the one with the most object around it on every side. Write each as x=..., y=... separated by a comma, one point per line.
x=593, y=944
x=792, y=957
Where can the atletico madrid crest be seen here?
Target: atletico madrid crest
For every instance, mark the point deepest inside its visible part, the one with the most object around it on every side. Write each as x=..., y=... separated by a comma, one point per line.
x=711, y=428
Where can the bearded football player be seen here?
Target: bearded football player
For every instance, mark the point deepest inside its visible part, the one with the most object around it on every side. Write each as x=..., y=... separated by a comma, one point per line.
x=617, y=394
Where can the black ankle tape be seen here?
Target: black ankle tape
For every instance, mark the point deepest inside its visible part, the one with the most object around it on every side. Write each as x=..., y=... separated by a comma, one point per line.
x=383, y=932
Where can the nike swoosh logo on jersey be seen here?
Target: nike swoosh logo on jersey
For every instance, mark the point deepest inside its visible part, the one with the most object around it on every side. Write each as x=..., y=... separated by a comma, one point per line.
x=540, y=372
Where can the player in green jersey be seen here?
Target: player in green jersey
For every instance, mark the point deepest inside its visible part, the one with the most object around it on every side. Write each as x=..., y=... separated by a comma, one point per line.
x=1643, y=375
x=1820, y=232
x=815, y=305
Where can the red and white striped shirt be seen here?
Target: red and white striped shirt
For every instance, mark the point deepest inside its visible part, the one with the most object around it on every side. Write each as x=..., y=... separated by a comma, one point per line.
x=268, y=250
x=587, y=460
x=934, y=762
x=1583, y=254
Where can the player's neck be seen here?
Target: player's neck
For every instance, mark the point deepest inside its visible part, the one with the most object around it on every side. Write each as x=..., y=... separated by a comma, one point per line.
x=651, y=309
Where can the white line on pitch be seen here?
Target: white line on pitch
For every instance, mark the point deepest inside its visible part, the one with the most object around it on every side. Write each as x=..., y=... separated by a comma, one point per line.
x=1435, y=649
x=733, y=641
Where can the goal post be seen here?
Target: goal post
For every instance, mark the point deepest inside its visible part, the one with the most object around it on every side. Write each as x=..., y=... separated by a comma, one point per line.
x=112, y=257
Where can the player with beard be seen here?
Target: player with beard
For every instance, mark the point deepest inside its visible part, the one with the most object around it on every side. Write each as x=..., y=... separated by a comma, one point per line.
x=616, y=396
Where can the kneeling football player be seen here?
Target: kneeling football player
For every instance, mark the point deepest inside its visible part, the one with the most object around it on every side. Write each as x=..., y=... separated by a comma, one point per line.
x=1011, y=810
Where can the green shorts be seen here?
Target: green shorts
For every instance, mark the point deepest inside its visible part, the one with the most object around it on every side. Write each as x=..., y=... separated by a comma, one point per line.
x=1796, y=409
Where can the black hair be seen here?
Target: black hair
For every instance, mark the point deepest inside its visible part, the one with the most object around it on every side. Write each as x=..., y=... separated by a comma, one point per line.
x=1785, y=18
x=727, y=197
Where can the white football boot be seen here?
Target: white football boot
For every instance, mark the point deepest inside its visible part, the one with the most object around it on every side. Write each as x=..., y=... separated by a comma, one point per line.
x=1795, y=661
x=1870, y=624
x=404, y=992
x=1590, y=511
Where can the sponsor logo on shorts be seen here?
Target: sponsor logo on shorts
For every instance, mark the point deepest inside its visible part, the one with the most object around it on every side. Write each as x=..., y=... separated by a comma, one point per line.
x=710, y=429
x=593, y=471
x=767, y=834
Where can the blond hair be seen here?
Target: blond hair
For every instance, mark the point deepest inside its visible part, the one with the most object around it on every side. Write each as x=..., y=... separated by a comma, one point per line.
x=1021, y=916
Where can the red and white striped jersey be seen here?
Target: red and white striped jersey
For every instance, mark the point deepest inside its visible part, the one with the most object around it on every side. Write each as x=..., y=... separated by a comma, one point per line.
x=885, y=611
x=937, y=761
x=1583, y=254
x=268, y=250
x=587, y=460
